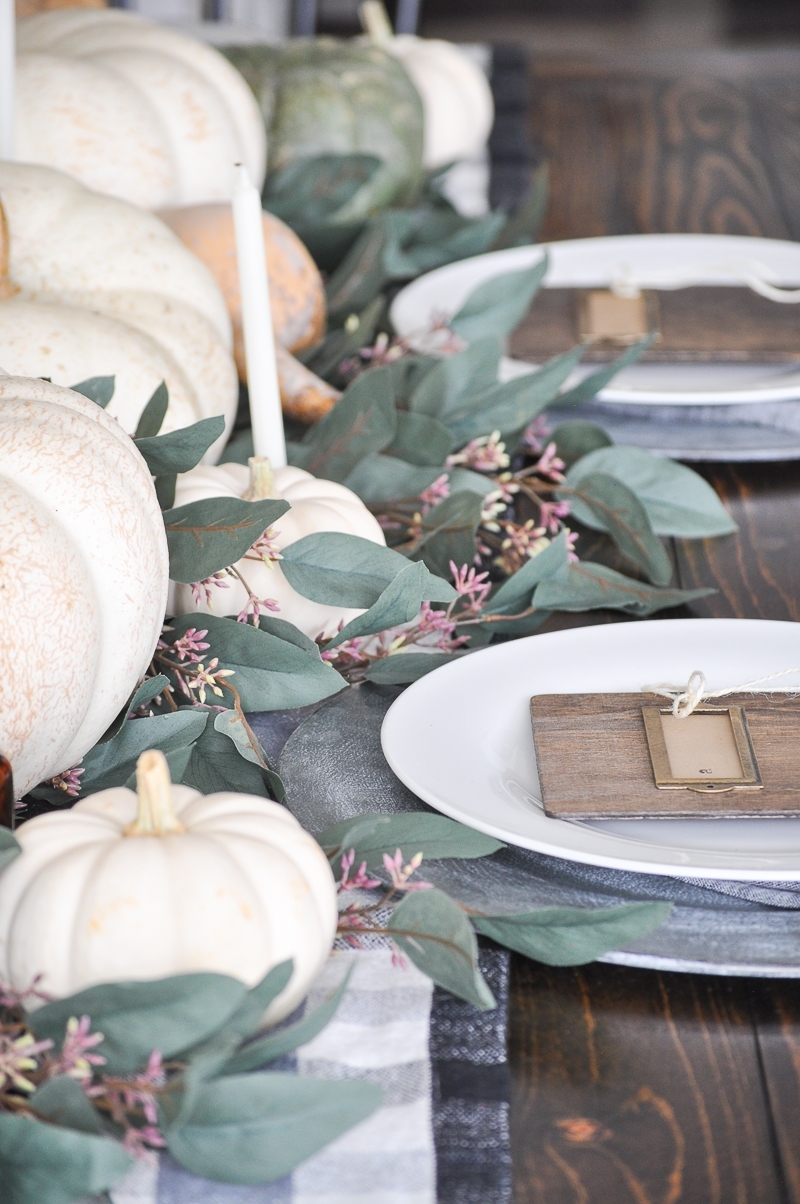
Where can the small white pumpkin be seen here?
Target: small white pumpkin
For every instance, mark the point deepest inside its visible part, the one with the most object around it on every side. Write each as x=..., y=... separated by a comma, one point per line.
x=456, y=97
x=83, y=575
x=169, y=881
x=98, y=287
x=316, y=505
x=133, y=109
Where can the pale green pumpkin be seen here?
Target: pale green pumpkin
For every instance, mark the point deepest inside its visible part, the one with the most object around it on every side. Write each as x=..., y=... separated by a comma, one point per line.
x=322, y=96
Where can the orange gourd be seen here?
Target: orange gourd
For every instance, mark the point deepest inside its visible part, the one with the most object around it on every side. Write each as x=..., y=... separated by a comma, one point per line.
x=296, y=291
x=297, y=297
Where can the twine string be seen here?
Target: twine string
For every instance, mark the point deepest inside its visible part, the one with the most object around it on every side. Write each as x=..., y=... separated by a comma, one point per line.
x=749, y=272
x=686, y=699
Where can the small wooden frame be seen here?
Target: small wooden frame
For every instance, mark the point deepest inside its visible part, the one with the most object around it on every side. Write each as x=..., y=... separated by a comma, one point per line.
x=709, y=750
x=595, y=760
x=604, y=316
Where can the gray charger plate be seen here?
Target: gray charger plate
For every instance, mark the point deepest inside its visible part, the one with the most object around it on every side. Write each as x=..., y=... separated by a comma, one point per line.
x=735, y=433
x=333, y=768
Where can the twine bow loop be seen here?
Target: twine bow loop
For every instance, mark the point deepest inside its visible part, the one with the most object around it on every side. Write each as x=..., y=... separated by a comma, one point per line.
x=686, y=699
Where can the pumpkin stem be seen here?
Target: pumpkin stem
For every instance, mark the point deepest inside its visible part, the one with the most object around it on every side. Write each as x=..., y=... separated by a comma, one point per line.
x=7, y=289
x=156, y=816
x=375, y=22
x=261, y=479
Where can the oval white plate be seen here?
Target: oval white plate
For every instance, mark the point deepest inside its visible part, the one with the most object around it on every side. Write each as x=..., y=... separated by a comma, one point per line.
x=460, y=739
x=594, y=263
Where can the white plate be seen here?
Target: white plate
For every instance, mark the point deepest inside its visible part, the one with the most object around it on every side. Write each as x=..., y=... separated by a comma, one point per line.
x=460, y=739
x=594, y=263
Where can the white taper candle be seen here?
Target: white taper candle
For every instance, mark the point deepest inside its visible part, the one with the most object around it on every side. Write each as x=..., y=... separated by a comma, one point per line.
x=259, y=340
x=7, y=75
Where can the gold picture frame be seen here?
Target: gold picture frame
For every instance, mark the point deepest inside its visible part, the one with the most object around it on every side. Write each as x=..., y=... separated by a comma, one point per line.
x=663, y=770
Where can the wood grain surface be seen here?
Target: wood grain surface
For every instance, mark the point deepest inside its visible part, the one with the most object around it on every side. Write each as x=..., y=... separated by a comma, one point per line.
x=631, y=1086
x=694, y=143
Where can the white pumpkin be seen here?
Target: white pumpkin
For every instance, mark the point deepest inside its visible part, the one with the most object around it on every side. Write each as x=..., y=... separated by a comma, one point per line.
x=83, y=575
x=133, y=109
x=316, y=505
x=171, y=882
x=98, y=287
x=456, y=97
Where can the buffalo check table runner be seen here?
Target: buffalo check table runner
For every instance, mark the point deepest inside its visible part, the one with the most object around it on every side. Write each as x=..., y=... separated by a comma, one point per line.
x=441, y=1134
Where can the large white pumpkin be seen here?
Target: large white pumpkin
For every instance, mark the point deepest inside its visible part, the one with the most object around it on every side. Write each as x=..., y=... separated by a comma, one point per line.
x=456, y=97
x=177, y=882
x=99, y=287
x=133, y=109
x=83, y=575
x=316, y=505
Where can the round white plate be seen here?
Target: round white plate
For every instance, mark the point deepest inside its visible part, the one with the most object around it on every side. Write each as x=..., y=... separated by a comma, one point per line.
x=460, y=739
x=594, y=263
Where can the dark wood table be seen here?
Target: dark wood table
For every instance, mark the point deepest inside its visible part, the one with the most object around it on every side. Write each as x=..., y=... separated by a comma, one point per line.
x=634, y=1086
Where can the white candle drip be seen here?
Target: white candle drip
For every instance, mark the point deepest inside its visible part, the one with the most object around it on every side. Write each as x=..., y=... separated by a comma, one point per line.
x=266, y=415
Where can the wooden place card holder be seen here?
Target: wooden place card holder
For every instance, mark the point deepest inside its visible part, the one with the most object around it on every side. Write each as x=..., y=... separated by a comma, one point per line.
x=625, y=756
x=703, y=324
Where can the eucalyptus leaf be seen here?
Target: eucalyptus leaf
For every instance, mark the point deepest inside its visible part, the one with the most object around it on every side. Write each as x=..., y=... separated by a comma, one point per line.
x=340, y=570
x=99, y=389
x=216, y=764
x=437, y=937
x=112, y=763
x=262, y=1050
x=625, y=519
x=180, y=450
x=515, y=627
x=206, y=1059
x=509, y=407
x=152, y=416
x=401, y=669
x=399, y=603
x=168, y=1014
x=364, y=420
x=63, y=1101
x=338, y=345
x=46, y=1164
x=516, y=593
x=230, y=725
x=363, y=272
x=498, y=305
x=144, y=693
x=576, y=439
x=591, y=385
x=207, y=536
x=572, y=936
x=590, y=586
x=677, y=500
x=258, y=1128
x=448, y=533
x=165, y=487
x=287, y=631
x=270, y=673
x=436, y=837
x=313, y=189
x=9, y=847
x=469, y=373
x=382, y=478
x=419, y=439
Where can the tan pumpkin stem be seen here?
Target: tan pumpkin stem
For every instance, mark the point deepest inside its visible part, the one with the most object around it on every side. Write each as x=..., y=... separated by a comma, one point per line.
x=375, y=22
x=156, y=816
x=261, y=479
x=7, y=289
